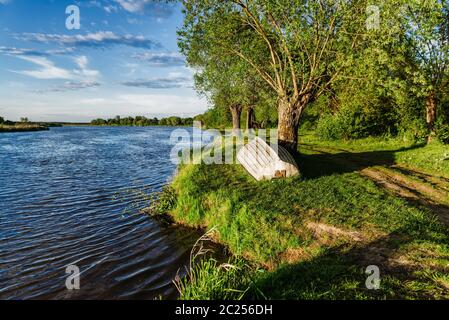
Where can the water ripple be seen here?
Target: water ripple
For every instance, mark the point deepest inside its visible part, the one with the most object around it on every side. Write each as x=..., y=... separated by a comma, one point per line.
x=65, y=199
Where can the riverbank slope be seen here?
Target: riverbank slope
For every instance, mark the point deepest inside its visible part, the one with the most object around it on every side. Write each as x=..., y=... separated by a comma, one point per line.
x=314, y=237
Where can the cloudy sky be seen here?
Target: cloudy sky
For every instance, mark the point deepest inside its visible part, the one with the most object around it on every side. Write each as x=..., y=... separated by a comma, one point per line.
x=123, y=61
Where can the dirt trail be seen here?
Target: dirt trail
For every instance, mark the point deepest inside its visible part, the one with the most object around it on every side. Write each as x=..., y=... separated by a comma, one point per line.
x=411, y=184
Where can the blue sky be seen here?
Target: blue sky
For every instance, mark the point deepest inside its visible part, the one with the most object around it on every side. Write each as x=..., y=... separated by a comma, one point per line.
x=123, y=61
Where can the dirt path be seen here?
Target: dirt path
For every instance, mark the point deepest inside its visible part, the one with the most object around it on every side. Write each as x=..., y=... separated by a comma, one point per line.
x=411, y=184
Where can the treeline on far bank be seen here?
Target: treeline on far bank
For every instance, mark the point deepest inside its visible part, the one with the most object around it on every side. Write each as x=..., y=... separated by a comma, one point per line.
x=23, y=125
x=141, y=121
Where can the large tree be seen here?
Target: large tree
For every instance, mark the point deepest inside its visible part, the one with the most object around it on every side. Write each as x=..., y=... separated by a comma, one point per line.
x=291, y=45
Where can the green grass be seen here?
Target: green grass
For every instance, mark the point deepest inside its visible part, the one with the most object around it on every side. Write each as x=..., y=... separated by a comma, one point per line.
x=431, y=158
x=266, y=225
x=210, y=280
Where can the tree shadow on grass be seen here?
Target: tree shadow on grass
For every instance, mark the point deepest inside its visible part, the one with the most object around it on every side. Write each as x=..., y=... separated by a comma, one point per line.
x=339, y=273
x=313, y=166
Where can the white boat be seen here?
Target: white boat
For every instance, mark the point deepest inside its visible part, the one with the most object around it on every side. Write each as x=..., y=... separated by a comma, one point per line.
x=265, y=163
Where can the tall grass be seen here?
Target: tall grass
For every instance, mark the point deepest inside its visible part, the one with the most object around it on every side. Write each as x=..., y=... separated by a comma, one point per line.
x=207, y=279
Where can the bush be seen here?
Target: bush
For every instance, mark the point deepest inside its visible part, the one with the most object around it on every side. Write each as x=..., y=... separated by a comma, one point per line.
x=347, y=124
x=443, y=133
x=413, y=130
x=329, y=128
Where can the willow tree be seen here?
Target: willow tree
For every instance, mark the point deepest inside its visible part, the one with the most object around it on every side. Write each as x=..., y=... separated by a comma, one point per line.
x=221, y=83
x=427, y=41
x=225, y=80
x=291, y=45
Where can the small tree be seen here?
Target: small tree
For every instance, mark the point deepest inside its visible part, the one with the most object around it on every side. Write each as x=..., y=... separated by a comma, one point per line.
x=427, y=43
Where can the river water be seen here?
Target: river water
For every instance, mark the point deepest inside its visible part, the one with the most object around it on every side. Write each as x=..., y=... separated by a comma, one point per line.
x=71, y=196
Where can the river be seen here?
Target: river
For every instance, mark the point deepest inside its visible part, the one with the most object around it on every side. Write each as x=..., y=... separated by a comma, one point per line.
x=71, y=196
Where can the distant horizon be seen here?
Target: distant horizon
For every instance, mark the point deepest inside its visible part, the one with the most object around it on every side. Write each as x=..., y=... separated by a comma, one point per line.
x=122, y=60
x=89, y=120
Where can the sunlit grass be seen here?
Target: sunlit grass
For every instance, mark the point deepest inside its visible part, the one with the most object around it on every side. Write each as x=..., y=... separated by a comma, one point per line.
x=266, y=223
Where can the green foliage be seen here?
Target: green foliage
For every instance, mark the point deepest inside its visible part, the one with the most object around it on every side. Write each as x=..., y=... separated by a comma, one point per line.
x=2, y=120
x=331, y=128
x=355, y=123
x=216, y=118
x=443, y=133
x=384, y=75
x=413, y=130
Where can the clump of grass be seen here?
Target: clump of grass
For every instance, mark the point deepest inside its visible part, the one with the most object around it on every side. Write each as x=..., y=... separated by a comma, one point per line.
x=207, y=279
x=210, y=280
x=161, y=203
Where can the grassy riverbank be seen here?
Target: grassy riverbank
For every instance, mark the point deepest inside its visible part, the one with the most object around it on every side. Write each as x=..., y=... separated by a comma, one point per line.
x=313, y=237
x=22, y=127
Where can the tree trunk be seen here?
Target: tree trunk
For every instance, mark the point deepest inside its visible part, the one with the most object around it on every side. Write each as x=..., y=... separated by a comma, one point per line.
x=333, y=101
x=249, y=118
x=431, y=113
x=288, y=125
x=236, y=112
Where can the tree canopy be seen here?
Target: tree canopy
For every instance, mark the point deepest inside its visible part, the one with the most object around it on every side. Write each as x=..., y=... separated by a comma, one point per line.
x=385, y=65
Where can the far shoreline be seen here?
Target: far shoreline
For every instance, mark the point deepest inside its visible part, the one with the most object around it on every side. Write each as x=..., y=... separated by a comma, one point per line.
x=15, y=128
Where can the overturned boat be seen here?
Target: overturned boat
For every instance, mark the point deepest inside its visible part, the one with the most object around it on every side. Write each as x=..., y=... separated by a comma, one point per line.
x=264, y=162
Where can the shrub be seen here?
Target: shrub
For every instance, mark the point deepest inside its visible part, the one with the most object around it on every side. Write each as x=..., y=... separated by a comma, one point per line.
x=413, y=130
x=347, y=124
x=443, y=133
x=329, y=128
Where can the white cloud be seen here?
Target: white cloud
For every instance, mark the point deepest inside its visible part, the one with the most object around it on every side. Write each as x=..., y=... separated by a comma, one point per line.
x=133, y=5
x=98, y=104
x=99, y=39
x=161, y=59
x=93, y=101
x=5, y=1
x=83, y=77
x=70, y=86
x=110, y=9
x=47, y=69
x=84, y=71
x=163, y=103
x=157, y=9
x=13, y=51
